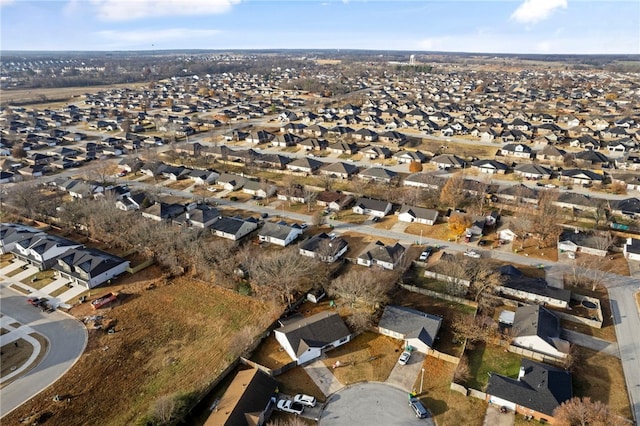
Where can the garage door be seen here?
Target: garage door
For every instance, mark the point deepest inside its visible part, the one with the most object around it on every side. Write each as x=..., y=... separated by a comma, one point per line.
x=502, y=402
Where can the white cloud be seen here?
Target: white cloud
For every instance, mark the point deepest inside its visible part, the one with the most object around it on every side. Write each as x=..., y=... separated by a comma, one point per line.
x=123, y=10
x=533, y=11
x=150, y=37
x=6, y=2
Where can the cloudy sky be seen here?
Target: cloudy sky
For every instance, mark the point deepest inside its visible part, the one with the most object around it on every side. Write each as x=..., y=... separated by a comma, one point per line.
x=503, y=26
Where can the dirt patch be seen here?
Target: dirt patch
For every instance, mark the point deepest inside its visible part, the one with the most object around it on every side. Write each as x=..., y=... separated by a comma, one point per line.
x=180, y=185
x=448, y=407
x=607, y=331
x=358, y=242
x=600, y=377
x=368, y=357
x=157, y=349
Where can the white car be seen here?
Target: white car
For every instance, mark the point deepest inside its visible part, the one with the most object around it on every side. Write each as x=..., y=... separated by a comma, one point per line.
x=291, y=407
x=472, y=253
x=404, y=358
x=303, y=399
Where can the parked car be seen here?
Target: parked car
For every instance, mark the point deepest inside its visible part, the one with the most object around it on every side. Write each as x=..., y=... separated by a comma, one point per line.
x=472, y=253
x=418, y=408
x=404, y=358
x=303, y=399
x=288, y=406
x=426, y=253
x=482, y=243
x=35, y=301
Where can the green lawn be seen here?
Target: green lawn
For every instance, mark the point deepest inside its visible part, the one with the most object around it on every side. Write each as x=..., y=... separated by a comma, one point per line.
x=485, y=359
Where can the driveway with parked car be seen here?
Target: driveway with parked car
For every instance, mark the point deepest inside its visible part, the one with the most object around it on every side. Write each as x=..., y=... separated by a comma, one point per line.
x=371, y=404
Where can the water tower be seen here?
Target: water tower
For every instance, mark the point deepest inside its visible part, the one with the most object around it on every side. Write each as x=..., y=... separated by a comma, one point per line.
x=412, y=60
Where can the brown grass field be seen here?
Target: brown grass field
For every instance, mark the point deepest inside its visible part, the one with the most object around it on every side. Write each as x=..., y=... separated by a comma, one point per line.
x=171, y=337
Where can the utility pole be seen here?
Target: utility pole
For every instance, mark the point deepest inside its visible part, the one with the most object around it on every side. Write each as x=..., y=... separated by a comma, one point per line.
x=421, y=380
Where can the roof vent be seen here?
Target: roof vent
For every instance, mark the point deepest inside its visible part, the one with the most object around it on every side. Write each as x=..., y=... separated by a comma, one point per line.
x=521, y=373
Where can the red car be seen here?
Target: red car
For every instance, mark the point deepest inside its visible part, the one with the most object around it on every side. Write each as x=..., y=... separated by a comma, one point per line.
x=35, y=301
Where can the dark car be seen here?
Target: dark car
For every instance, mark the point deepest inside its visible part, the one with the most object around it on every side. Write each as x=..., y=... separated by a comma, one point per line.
x=482, y=242
x=35, y=301
x=375, y=219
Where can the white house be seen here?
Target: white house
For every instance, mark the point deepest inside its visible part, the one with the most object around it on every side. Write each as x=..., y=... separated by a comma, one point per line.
x=89, y=267
x=631, y=250
x=324, y=247
x=537, y=329
x=379, y=254
x=417, y=214
x=304, y=339
x=43, y=250
x=372, y=207
x=280, y=233
x=417, y=329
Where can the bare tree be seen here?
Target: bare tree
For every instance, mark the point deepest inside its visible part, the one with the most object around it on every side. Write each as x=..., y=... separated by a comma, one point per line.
x=281, y=274
x=462, y=372
x=475, y=329
x=585, y=412
x=484, y=279
x=163, y=409
x=368, y=288
x=458, y=223
x=521, y=227
x=310, y=196
x=599, y=214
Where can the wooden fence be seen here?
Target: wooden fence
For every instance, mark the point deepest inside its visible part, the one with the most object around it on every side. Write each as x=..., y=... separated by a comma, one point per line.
x=447, y=278
x=439, y=295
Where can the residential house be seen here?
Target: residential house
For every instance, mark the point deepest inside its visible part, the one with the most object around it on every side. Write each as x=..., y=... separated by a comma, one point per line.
x=231, y=182
x=340, y=169
x=202, y=177
x=305, y=164
x=324, y=247
x=537, y=392
x=248, y=401
x=313, y=144
x=12, y=233
x=378, y=174
x=305, y=339
x=370, y=206
x=42, y=250
x=534, y=290
x=591, y=159
x=163, y=211
x=406, y=157
x=448, y=161
x=584, y=242
x=343, y=148
x=417, y=329
x=631, y=249
x=374, y=152
x=279, y=233
x=629, y=207
x=551, y=153
x=426, y=180
x=536, y=328
x=233, y=228
x=259, y=189
x=201, y=216
x=532, y=171
x=89, y=267
x=131, y=202
x=379, y=254
x=490, y=166
x=333, y=200
x=417, y=214
x=516, y=150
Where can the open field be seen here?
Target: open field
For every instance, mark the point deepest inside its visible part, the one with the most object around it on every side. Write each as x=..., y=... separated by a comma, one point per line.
x=45, y=96
x=448, y=407
x=156, y=350
x=600, y=377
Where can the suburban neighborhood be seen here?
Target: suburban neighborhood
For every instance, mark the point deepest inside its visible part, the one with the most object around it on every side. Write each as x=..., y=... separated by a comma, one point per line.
x=461, y=236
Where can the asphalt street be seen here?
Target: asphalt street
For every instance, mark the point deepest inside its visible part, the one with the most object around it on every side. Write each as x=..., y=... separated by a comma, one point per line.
x=67, y=340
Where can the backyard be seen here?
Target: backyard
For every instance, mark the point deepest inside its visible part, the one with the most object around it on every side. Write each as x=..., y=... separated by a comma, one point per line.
x=485, y=359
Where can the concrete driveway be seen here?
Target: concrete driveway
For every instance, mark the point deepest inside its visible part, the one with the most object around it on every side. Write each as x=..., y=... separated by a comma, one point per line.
x=67, y=339
x=495, y=418
x=404, y=376
x=370, y=404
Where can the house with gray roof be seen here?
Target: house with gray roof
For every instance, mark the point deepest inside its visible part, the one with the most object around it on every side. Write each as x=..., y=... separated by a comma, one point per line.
x=231, y=182
x=490, y=167
x=372, y=207
x=379, y=254
x=581, y=176
x=418, y=329
x=305, y=164
x=426, y=180
x=448, y=161
x=406, y=157
x=378, y=174
x=279, y=233
x=324, y=247
x=631, y=249
x=584, y=242
x=12, y=233
x=536, y=328
x=233, y=228
x=89, y=267
x=538, y=390
x=305, y=339
x=339, y=169
x=532, y=171
x=533, y=290
x=42, y=250
x=417, y=214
